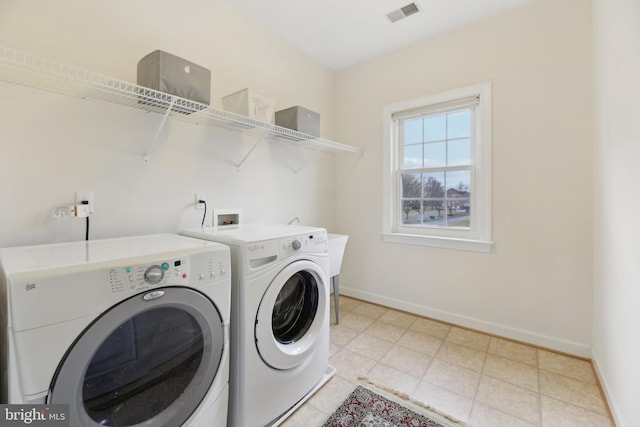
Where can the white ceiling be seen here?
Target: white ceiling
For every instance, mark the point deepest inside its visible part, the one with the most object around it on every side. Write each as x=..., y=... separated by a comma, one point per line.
x=340, y=33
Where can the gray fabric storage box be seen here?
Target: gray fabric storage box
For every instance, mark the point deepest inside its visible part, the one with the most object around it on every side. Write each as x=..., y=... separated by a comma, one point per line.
x=299, y=119
x=168, y=73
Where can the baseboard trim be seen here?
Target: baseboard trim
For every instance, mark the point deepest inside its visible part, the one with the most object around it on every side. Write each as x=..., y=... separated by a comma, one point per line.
x=605, y=389
x=540, y=340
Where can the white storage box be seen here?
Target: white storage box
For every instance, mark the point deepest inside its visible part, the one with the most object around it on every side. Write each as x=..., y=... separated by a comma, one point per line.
x=176, y=76
x=299, y=119
x=251, y=104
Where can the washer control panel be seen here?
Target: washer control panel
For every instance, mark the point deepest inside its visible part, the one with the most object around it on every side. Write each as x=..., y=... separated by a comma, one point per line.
x=304, y=243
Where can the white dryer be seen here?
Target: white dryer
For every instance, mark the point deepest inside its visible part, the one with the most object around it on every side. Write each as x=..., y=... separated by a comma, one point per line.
x=279, y=318
x=128, y=332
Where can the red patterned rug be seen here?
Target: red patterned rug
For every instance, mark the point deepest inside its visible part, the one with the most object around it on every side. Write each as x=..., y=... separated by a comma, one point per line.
x=368, y=406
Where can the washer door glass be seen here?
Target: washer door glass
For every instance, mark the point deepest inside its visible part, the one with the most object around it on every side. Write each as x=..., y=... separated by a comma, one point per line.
x=292, y=315
x=295, y=308
x=155, y=367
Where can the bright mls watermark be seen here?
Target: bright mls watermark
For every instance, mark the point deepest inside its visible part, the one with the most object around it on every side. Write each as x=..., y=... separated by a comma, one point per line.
x=34, y=415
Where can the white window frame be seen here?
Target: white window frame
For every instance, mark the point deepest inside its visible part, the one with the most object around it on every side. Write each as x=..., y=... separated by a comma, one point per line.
x=479, y=237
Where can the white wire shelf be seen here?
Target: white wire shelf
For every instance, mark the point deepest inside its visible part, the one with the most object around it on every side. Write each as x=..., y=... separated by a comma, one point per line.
x=24, y=69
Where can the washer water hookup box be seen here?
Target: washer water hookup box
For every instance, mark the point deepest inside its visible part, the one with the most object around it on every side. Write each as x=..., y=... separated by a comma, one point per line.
x=226, y=218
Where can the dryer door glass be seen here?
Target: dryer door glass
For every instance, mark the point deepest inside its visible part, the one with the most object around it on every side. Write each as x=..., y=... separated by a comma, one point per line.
x=143, y=362
x=142, y=367
x=295, y=308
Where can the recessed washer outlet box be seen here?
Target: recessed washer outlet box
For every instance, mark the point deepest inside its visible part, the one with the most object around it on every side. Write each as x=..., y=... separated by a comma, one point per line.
x=226, y=218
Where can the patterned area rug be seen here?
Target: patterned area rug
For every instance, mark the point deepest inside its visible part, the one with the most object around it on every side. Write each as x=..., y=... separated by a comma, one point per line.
x=369, y=406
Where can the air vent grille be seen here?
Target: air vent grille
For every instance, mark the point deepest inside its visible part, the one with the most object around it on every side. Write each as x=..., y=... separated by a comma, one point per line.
x=410, y=9
x=403, y=12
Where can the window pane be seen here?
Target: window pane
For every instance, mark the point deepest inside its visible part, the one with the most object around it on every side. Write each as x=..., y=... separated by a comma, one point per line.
x=412, y=157
x=411, y=185
x=435, y=154
x=433, y=211
x=459, y=152
x=435, y=128
x=458, y=198
x=433, y=185
x=411, y=211
x=459, y=124
x=458, y=215
x=412, y=131
x=458, y=184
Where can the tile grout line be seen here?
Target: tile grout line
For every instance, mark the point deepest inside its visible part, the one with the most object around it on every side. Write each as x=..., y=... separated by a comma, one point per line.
x=475, y=394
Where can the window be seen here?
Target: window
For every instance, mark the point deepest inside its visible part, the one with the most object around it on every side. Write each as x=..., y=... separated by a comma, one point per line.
x=437, y=177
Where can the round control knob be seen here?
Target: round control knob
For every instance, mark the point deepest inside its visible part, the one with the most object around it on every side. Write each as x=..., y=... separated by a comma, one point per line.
x=296, y=245
x=154, y=274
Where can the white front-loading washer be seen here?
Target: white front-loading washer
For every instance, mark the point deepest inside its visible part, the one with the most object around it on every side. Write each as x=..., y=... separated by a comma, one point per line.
x=279, y=318
x=127, y=332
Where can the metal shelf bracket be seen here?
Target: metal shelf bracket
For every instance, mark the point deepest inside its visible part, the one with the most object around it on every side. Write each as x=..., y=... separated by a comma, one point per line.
x=246, y=156
x=306, y=162
x=165, y=116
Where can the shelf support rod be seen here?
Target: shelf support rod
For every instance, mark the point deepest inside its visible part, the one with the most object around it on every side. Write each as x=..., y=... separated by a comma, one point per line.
x=306, y=162
x=147, y=155
x=246, y=156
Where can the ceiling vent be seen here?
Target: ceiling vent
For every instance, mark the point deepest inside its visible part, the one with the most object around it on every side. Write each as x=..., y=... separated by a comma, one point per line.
x=403, y=12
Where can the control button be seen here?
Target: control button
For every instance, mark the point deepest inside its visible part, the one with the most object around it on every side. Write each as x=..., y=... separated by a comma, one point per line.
x=154, y=275
x=128, y=270
x=212, y=274
x=295, y=244
x=165, y=266
x=223, y=272
x=200, y=276
x=184, y=275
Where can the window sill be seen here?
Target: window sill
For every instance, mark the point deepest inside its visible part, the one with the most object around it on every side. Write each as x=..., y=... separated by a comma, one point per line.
x=438, y=242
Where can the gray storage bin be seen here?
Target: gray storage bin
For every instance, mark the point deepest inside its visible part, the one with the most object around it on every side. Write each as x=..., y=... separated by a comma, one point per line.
x=299, y=119
x=168, y=73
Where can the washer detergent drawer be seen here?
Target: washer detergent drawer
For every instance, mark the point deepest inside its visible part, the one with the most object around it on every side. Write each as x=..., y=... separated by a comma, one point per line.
x=261, y=254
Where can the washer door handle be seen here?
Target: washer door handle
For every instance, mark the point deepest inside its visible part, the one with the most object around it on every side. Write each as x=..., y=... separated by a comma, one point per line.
x=153, y=295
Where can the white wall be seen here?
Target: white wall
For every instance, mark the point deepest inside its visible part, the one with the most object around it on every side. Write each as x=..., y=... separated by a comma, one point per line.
x=53, y=146
x=616, y=347
x=536, y=285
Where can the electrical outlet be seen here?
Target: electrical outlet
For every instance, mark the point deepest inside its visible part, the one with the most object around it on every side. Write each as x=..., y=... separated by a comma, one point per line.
x=200, y=196
x=85, y=196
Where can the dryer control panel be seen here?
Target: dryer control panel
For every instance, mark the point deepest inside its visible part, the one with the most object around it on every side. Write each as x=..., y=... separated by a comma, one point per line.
x=49, y=296
x=140, y=277
x=167, y=272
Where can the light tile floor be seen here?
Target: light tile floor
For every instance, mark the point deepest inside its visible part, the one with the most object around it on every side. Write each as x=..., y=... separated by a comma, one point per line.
x=483, y=380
